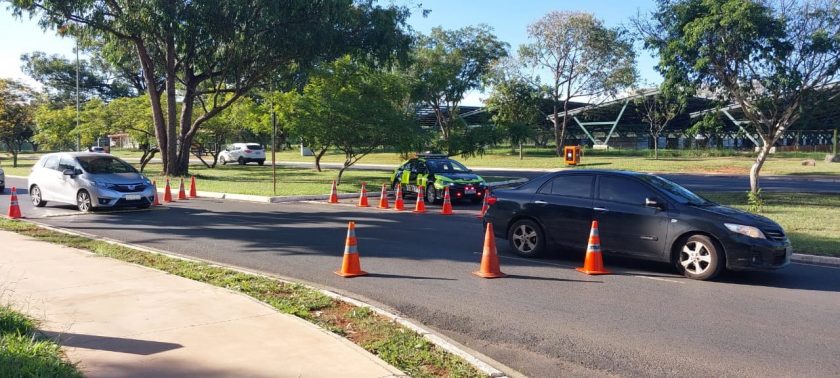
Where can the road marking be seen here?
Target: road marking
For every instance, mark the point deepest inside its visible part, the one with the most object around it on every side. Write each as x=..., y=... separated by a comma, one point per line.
x=817, y=265
x=570, y=266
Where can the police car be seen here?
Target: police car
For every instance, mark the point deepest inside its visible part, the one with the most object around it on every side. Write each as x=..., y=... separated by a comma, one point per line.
x=436, y=172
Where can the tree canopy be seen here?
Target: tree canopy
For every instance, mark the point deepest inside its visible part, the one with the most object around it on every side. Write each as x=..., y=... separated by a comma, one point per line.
x=16, y=111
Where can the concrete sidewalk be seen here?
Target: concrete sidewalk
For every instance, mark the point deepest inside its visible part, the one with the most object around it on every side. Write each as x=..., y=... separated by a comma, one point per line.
x=122, y=320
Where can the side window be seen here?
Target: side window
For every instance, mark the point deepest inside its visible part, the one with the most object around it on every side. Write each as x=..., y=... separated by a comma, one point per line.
x=623, y=190
x=51, y=163
x=421, y=167
x=66, y=163
x=569, y=186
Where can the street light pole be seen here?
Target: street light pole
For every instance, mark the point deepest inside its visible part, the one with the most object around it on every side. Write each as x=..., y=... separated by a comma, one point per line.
x=273, y=143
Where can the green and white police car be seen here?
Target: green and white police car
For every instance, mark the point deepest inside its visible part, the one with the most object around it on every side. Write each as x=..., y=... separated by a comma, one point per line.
x=436, y=172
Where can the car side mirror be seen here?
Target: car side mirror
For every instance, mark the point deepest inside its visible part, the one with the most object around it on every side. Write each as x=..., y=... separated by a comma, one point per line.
x=69, y=172
x=654, y=203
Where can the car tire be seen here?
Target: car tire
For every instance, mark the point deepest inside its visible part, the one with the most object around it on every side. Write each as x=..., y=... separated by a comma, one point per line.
x=699, y=257
x=431, y=194
x=36, y=196
x=2, y=189
x=83, y=201
x=241, y=161
x=526, y=238
x=261, y=162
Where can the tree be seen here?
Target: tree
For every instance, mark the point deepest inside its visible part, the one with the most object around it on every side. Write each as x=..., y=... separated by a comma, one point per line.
x=515, y=105
x=206, y=54
x=58, y=75
x=353, y=108
x=55, y=128
x=659, y=108
x=16, y=109
x=771, y=61
x=133, y=116
x=585, y=58
x=447, y=65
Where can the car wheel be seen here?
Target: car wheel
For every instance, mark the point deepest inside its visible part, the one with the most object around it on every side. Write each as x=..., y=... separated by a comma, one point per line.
x=241, y=161
x=526, y=238
x=261, y=162
x=699, y=258
x=36, y=197
x=431, y=194
x=83, y=201
x=2, y=189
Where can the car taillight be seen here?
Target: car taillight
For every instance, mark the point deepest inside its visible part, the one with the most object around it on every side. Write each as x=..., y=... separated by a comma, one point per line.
x=248, y=151
x=491, y=199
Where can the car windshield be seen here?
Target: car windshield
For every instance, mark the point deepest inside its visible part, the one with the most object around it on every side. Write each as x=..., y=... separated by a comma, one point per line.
x=675, y=191
x=104, y=164
x=446, y=166
x=253, y=146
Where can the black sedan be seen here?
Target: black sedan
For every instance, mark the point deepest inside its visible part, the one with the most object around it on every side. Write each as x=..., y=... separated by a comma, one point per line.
x=639, y=215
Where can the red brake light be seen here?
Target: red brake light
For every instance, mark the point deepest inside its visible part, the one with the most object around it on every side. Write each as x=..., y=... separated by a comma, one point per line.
x=247, y=151
x=492, y=199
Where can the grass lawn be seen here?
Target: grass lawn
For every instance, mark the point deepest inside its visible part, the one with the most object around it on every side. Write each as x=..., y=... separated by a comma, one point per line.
x=637, y=160
x=24, y=354
x=811, y=221
x=396, y=345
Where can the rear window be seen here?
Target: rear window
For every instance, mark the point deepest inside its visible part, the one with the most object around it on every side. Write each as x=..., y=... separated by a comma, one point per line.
x=253, y=146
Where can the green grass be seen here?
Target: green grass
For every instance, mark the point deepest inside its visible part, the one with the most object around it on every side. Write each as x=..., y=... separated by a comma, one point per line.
x=400, y=347
x=811, y=221
x=24, y=354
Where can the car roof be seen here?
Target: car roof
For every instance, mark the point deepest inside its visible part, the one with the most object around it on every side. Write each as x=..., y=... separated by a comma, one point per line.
x=602, y=171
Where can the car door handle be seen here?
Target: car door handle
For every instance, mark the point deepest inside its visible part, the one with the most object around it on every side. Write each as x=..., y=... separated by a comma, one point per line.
x=541, y=203
x=600, y=209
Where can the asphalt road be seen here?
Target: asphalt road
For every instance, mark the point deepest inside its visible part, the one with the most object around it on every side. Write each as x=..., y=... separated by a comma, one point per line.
x=545, y=319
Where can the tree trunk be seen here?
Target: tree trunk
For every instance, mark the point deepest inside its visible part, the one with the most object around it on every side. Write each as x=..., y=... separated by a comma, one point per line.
x=154, y=99
x=520, y=150
x=756, y=167
x=656, y=147
x=558, y=148
x=341, y=172
x=318, y=159
x=171, y=155
x=14, y=156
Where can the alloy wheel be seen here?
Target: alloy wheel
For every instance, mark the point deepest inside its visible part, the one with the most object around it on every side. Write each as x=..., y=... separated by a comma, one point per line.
x=525, y=238
x=695, y=257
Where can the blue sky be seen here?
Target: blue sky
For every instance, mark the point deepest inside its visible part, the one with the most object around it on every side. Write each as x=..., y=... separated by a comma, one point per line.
x=509, y=19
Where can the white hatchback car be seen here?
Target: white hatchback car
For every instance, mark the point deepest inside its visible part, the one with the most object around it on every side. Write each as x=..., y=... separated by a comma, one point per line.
x=243, y=153
x=88, y=180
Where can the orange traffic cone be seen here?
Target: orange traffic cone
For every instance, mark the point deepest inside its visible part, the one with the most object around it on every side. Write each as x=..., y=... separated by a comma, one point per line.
x=167, y=192
x=193, y=189
x=447, y=203
x=399, y=204
x=420, y=206
x=594, y=263
x=156, y=202
x=351, y=266
x=363, y=200
x=182, y=195
x=484, y=205
x=383, y=198
x=14, y=207
x=333, y=194
x=489, y=258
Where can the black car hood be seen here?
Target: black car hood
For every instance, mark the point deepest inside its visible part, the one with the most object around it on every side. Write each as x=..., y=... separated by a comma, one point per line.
x=738, y=216
x=460, y=176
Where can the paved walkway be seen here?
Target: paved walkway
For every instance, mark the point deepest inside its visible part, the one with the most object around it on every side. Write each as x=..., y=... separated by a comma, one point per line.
x=122, y=320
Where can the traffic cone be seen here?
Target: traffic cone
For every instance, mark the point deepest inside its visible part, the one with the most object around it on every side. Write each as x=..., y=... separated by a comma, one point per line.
x=594, y=263
x=447, y=203
x=193, y=189
x=399, y=204
x=383, y=198
x=489, y=258
x=351, y=266
x=363, y=200
x=484, y=205
x=420, y=206
x=14, y=207
x=167, y=192
x=333, y=194
x=182, y=195
x=156, y=202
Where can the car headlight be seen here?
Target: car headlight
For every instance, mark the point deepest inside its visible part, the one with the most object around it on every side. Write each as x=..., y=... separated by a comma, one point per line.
x=745, y=230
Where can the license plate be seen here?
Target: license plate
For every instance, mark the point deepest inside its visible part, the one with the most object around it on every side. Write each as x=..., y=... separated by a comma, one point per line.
x=469, y=191
x=132, y=197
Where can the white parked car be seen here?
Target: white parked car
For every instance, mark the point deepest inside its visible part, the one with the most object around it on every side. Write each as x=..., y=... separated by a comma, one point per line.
x=88, y=180
x=243, y=153
x=2, y=181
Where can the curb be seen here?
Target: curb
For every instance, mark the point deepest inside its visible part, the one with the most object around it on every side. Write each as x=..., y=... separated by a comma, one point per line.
x=815, y=260
x=474, y=358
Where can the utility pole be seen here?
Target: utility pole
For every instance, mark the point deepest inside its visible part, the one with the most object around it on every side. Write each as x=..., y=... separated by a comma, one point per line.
x=273, y=142
x=78, y=135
